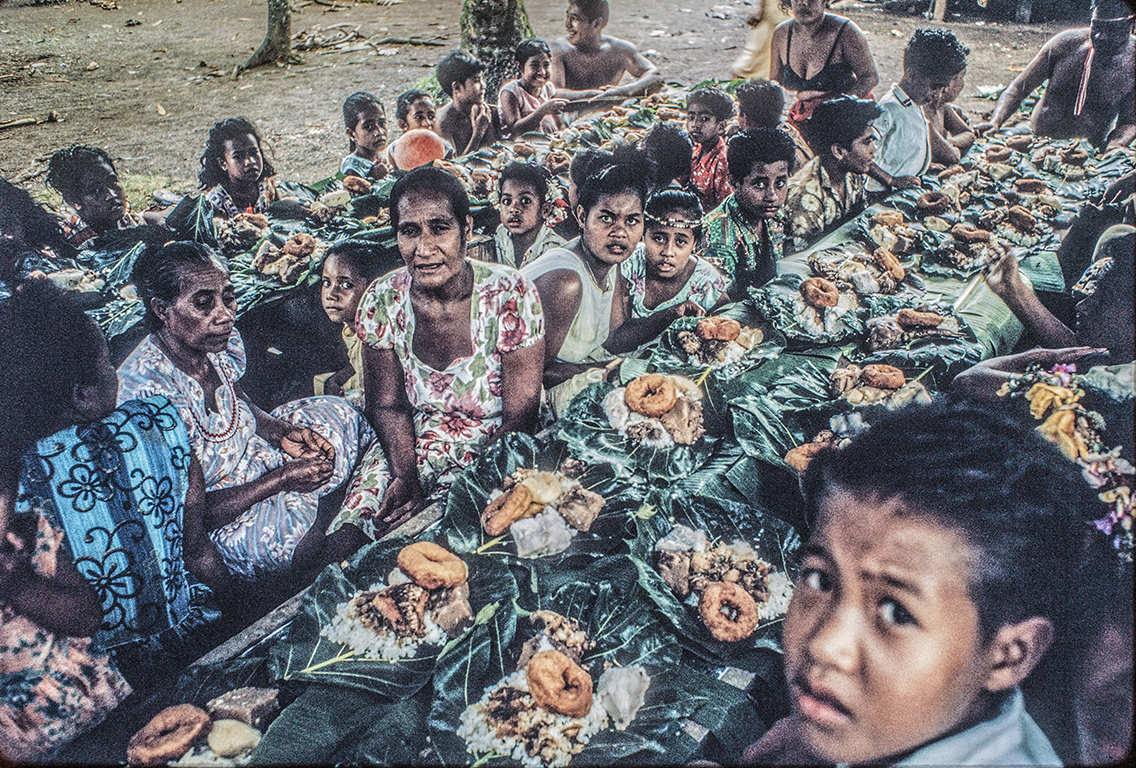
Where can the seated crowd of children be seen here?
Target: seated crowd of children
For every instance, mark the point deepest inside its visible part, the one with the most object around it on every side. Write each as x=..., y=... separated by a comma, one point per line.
x=945, y=545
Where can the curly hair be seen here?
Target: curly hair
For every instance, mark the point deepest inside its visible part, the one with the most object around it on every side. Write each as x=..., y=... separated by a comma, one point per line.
x=1011, y=495
x=669, y=146
x=759, y=145
x=839, y=121
x=354, y=106
x=761, y=102
x=66, y=167
x=935, y=52
x=19, y=212
x=228, y=129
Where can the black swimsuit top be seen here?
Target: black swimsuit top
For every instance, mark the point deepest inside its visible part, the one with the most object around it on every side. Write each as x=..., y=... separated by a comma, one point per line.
x=838, y=77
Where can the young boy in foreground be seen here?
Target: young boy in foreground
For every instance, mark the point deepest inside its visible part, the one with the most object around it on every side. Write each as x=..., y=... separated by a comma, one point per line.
x=467, y=122
x=938, y=573
x=586, y=62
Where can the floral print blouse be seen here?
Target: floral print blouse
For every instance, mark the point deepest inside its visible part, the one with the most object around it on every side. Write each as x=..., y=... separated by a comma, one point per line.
x=705, y=286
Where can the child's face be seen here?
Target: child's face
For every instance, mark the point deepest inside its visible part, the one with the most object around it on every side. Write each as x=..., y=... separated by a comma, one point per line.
x=761, y=194
x=613, y=226
x=520, y=207
x=882, y=644
x=536, y=71
x=470, y=91
x=370, y=131
x=954, y=87
x=242, y=160
x=669, y=248
x=341, y=290
x=421, y=115
x=101, y=198
x=925, y=88
x=702, y=126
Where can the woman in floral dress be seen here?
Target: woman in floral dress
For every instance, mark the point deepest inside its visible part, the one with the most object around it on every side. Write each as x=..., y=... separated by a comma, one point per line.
x=452, y=359
x=265, y=473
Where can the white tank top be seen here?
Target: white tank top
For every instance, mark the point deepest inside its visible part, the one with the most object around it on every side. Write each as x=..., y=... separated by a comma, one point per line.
x=590, y=327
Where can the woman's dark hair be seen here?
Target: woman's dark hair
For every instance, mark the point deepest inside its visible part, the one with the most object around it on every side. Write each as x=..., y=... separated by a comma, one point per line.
x=759, y=145
x=762, y=102
x=935, y=52
x=633, y=175
x=528, y=173
x=586, y=162
x=839, y=121
x=19, y=211
x=66, y=167
x=1012, y=495
x=405, y=100
x=534, y=46
x=362, y=256
x=457, y=67
x=158, y=273
x=670, y=148
x=228, y=129
x=671, y=199
x=717, y=102
x=47, y=347
x=355, y=105
x=435, y=181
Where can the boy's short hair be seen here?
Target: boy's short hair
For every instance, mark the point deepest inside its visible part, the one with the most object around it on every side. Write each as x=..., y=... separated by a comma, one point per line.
x=362, y=256
x=527, y=173
x=406, y=100
x=762, y=102
x=592, y=9
x=534, y=46
x=717, y=102
x=839, y=121
x=457, y=67
x=990, y=477
x=428, y=178
x=671, y=149
x=935, y=52
x=759, y=145
x=66, y=167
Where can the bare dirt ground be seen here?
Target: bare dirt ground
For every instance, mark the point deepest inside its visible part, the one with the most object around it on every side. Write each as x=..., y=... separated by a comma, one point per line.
x=147, y=79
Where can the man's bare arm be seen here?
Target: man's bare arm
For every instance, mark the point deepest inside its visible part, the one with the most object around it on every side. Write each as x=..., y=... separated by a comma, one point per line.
x=1125, y=131
x=647, y=75
x=1036, y=73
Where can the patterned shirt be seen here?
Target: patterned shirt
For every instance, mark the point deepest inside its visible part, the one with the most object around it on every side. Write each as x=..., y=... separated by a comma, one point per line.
x=705, y=286
x=79, y=232
x=813, y=205
x=745, y=253
x=223, y=204
x=356, y=166
x=710, y=175
x=546, y=240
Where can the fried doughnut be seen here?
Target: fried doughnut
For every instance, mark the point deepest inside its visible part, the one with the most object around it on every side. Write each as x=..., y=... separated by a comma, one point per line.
x=820, y=293
x=506, y=509
x=1021, y=218
x=889, y=218
x=883, y=376
x=523, y=149
x=1031, y=186
x=356, y=185
x=721, y=328
x=559, y=684
x=721, y=595
x=953, y=170
x=968, y=234
x=913, y=318
x=167, y=736
x=557, y=161
x=799, y=457
x=933, y=202
x=1019, y=142
x=1074, y=156
x=431, y=566
x=889, y=263
x=998, y=154
x=299, y=244
x=258, y=220
x=651, y=395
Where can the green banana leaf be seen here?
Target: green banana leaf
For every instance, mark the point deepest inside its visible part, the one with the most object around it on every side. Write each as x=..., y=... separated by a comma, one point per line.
x=590, y=437
x=192, y=219
x=773, y=303
x=306, y=655
x=460, y=528
x=945, y=355
x=615, y=612
x=775, y=541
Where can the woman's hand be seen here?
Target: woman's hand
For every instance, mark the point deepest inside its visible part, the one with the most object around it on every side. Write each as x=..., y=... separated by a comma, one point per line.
x=306, y=443
x=15, y=559
x=305, y=475
x=403, y=498
x=689, y=309
x=1003, y=276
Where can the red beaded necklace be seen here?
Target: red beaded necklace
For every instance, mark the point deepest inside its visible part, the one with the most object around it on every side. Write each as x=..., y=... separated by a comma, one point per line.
x=230, y=430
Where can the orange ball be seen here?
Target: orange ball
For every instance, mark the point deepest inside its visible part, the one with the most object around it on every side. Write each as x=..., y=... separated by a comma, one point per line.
x=417, y=147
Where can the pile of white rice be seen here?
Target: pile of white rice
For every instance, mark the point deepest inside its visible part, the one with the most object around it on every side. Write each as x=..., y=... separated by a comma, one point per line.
x=346, y=629
x=780, y=593
x=821, y=322
x=481, y=739
x=203, y=757
x=621, y=417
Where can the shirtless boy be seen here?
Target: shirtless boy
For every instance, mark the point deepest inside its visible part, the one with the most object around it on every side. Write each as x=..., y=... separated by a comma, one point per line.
x=467, y=122
x=587, y=62
x=1090, y=75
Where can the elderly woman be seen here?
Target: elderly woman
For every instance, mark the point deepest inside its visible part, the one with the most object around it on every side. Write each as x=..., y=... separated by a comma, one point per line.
x=265, y=473
x=102, y=541
x=820, y=55
x=451, y=359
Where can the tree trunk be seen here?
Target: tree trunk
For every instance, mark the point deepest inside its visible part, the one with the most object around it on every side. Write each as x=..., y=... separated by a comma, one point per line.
x=491, y=30
x=277, y=43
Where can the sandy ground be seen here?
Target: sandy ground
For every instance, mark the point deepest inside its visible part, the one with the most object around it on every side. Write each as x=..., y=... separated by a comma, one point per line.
x=146, y=80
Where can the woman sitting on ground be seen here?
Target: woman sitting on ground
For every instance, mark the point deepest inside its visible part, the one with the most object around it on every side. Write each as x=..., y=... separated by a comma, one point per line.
x=820, y=55
x=451, y=360
x=93, y=196
x=102, y=540
x=30, y=238
x=266, y=474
